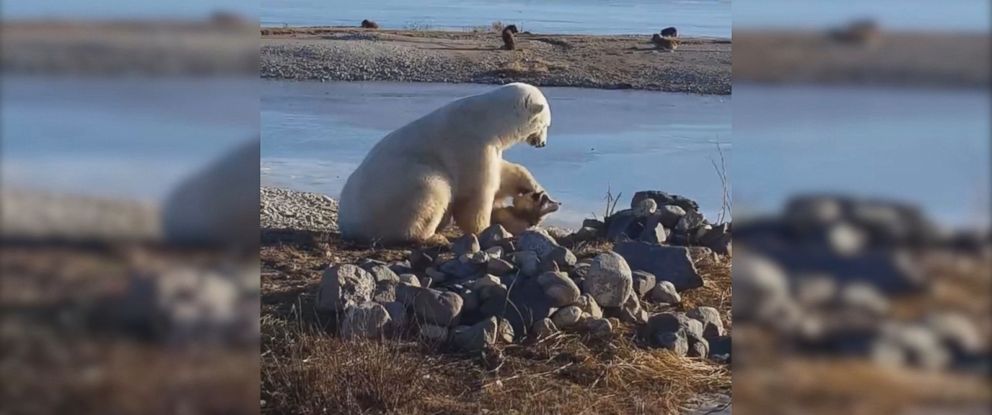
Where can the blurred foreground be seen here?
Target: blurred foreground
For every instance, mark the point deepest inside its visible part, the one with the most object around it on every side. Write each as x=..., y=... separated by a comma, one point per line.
x=128, y=217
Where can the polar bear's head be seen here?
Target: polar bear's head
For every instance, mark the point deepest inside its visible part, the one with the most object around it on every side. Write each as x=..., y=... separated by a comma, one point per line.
x=528, y=118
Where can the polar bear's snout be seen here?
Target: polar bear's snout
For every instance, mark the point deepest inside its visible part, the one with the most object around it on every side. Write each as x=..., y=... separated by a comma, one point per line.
x=537, y=139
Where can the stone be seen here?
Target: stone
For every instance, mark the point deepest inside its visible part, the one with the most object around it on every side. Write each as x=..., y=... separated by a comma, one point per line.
x=710, y=317
x=475, y=337
x=543, y=328
x=720, y=349
x=536, y=241
x=597, y=225
x=916, y=345
x=669, y=215
x=667, y=263
x=958, y=333
x=665, y=323
x=409, y=279
x=760, y=288
x=434, y=333
x=397, y=316
x=435, y=275
x=559, y=288
x=465, y=244
x=528, y=262
x=644, y=282
x=624, y=224
x=460, y=269
x=677, y=342
x=609, y=280
x=663, y=198
x=494, y=252
x=632, y=312
x=493, y=236
x=689, y=222
x=598, y=328
x=561, y=256
x=470, y=300
x=344, y=285
x=526, y=304
x=567, y=316
x=718, y=239
x=385, y=291
x=401, y=267
x=366, y=320
x=421, y=259
x=862, y=298
x=589, y=306
x=664, y=292
x=368, y=263
x=505, y=331
x=585, y=233
x=654, y=232
x=382, y=273
x=440, y=308
x=485, y=280
x=698, y=346
x=498, y=266
x=645, y=208
x=814, y=290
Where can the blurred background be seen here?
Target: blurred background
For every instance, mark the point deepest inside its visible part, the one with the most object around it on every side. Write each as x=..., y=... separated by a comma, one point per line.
x=128, y=207
x=863, y=267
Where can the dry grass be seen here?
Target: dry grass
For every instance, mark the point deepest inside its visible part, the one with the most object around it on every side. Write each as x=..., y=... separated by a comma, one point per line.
x=305, y=370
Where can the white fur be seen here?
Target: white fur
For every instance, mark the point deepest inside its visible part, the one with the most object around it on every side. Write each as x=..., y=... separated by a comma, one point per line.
x=451, y=159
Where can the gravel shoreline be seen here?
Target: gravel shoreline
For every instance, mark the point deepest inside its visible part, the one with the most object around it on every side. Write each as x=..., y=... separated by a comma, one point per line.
x=294, y=210
x=700, y=65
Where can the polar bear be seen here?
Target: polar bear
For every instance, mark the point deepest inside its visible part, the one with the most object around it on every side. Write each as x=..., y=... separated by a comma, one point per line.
x=448, y=162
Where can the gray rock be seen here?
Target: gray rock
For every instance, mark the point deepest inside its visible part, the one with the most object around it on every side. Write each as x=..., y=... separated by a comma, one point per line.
x=664, y=292
x=470, y=300
x=475, y=337
x=559, y=288
x=401, y=267
x=632, y=312
x=814, y=290
x=460, y=269
x=485, y=280
x=720, y=349
x=493, y=236
x=543, y=328
x=567, y=317
x=863, y=298
x=916, y=346
x=589, y=306
x=663, y=198
x=654, y=232
x=718, y=239
x=710, y=317
x=667, y=263
x=561, y=256
x=661, y=324
x=466, y=244
x=526, y=304
x=528, y=262
x=385, y=291
x=597, y=328
x=698, y=346
x=344, y=285
x=367, y=320
x=760, y=288
x=645, y=208
x=625, y=224
x=677, y=342
x=957, y=332
x=536, y=241
x=609, y=280
x=368, y=263
x=420, y=259
x=434, y=333
x=498, y=266
x=431, y=306
x=495, y=252
x=397, y=316
x=435, y=275
x=669, y=215
x=409, y=279
x=585, y=233
x=644, y=282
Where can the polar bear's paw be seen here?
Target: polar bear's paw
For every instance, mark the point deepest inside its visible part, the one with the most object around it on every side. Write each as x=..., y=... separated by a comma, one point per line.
x=436, y=240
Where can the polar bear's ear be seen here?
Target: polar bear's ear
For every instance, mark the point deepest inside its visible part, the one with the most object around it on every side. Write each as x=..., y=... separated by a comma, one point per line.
x=535, y=108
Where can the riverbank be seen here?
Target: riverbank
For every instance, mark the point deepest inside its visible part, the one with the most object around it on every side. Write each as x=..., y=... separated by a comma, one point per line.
x=899, y=59
x=699, y=65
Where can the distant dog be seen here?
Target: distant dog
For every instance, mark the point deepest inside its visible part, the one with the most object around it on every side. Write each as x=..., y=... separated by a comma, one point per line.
x=669, y=32
x=508, y=42
x=665, y=43
x=368, y=24
x=528, y=210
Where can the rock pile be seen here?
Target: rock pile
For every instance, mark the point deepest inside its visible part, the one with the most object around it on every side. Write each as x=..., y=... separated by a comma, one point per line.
x=500, y=288
x=825, y=273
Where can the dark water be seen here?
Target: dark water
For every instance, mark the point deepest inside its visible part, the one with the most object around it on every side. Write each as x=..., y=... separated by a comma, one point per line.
x=692, y=17
x=314, y=134
x=128, y=138
x=913, y=15
x=929, y=147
